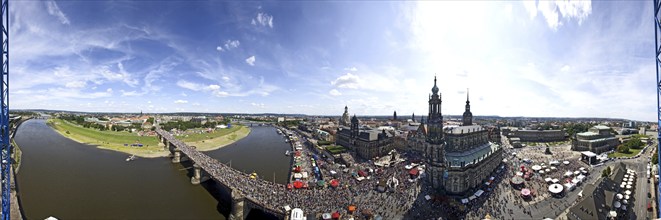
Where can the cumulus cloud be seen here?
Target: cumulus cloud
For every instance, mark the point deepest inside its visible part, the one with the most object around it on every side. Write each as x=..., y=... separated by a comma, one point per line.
x=334, y=92
x=180, y=101
x=352, y=69
x=251, y=60
x=229, y=44
x=555, y=11
x=54, y=10
x=347, y=80
x=258, y=105
x=263, y=19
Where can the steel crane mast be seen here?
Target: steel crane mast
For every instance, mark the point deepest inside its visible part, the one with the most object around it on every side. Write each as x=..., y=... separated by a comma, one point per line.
x=4, y=113
x=657, y=43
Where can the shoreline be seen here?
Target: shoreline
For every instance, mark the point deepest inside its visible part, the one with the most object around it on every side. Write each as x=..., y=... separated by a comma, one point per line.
x=103, y=146
x=149, y=151
x=220, y=142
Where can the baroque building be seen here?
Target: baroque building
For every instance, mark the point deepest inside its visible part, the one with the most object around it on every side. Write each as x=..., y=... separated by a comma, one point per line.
x=366, y=142
x=458, y=158
x=344, y=121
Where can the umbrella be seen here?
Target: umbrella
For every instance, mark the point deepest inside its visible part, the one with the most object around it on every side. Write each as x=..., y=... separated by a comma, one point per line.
x=335, y=215
x=626, y=197
x=619, y=196
x=536, y=167
x=525, y=192
x=321, y=183
x=334, y=183
x=617, y=204
x=555, y=188
x=565, y=162
x=352, y=208
x=625, y=201
x=298, y=184
x=326, y=216
x=628, y=192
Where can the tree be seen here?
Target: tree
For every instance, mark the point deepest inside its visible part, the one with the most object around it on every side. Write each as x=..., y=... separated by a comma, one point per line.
x=548, y=150
x=623, y=149
x=655, y=159
x=606, y=172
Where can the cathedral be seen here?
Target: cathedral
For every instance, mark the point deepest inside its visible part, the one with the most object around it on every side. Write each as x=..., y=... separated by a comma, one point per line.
x=459, y=158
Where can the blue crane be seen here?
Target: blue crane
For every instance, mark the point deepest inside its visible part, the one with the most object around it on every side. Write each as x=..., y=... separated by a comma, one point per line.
x=4, y=113
x=657, y=43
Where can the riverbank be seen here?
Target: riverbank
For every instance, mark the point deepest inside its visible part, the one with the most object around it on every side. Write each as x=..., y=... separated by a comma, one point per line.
x=216, y=140
x=110, y=140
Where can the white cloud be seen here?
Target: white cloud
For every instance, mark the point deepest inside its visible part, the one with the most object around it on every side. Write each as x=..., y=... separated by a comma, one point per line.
x=231, y=44
x=75, y=84
x=189, y=85
x=219, y=48
x=54, y=10
x=131, y=93
x=555, y=11
x=352, y=69
x=263, y=19
x=225, y=78
x=565, y=68
x=334, y=92
x=348, y=80
x=180, y=101
x=258, y=105
x=251, y=60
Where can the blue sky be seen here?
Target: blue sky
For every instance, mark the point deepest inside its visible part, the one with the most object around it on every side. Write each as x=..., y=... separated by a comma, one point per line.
x=576, y=59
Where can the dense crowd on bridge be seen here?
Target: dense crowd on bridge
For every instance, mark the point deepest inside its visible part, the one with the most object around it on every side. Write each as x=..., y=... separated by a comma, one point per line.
x=273, y=196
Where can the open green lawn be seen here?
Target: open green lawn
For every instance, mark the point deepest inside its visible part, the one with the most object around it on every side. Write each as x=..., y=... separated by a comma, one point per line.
x=206, y=136
x=217, y=139
x=109, y=139
x=632, y=152
x=336, y=149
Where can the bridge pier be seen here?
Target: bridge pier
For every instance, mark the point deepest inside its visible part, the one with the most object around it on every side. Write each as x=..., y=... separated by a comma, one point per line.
x=238, y=202
x=176, y=158
x=197, y=174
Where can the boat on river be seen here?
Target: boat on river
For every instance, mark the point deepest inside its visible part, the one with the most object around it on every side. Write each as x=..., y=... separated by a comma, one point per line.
x=132, y=157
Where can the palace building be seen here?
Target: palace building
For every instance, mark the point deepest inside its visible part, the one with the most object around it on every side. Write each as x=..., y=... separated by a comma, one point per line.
x=366, y=142
x=597, y=139
x=459, y=158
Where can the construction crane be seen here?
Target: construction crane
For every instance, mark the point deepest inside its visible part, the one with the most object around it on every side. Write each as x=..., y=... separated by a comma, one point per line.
x=4, y=113
x=657, y=43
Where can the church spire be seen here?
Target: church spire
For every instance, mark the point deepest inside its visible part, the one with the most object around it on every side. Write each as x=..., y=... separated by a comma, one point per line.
x=468, y=116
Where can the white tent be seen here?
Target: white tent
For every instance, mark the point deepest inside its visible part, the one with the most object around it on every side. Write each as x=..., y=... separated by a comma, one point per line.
x=479, y=193
x=565, y=162
x=555, y=180
x=568, y=173
x=464, y=201
x=427, y=197
x=472, y=197
x=548, y=179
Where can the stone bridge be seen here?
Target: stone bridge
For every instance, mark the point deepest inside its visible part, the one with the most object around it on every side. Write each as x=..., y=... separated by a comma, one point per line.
x=246, y=193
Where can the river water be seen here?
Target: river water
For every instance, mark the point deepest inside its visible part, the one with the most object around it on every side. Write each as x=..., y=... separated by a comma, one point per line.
x=68, y=180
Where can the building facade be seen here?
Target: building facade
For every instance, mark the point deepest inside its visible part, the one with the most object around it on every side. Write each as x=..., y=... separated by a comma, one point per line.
x=459, y=158
x=366, y=142
x=597, y=139
x=540, y=135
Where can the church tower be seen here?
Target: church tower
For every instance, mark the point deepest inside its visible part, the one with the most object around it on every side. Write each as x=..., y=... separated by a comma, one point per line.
x=354, y=127
x=435, y=143
x=435, y=119
x=468, y=116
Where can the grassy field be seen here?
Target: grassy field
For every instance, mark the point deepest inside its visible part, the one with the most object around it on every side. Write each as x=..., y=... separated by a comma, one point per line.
x=632, y=152
x=336, y=149
x=111, y=140
x=217, y=139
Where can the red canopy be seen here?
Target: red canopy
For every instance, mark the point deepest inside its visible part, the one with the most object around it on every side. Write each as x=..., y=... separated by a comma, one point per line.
x=335, y=215
x=413, y=171
x=298, y=153
x=362, y=173
x=334, y=183
x=297, y=169
x=298, y=184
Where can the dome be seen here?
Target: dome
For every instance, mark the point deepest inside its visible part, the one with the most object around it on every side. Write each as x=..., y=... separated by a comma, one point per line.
x=434, y=89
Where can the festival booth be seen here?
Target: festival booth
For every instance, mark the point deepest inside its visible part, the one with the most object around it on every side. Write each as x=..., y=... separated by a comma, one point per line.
x=517, y=182
x=525, y=193
x=556, y=189
x=335, y=183
x=298, y=184
x=413, y=173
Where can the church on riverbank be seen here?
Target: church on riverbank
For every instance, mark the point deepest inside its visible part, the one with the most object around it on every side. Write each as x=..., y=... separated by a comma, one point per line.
x=459, y=158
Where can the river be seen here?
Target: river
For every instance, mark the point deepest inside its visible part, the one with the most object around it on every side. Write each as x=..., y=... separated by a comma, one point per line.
x=68, y=180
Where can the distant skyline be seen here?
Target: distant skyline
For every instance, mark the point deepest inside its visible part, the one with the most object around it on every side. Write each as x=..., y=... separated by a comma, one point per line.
x=528, y=58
